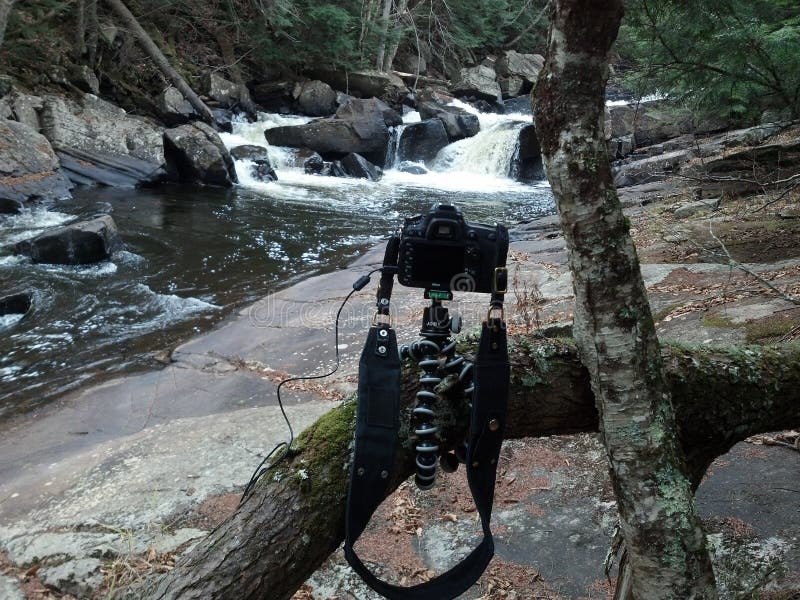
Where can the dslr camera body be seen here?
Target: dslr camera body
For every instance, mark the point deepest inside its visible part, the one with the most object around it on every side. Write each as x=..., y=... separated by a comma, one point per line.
x=441, y=252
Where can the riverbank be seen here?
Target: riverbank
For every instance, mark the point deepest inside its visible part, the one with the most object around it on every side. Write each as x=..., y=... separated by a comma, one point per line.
x=120, y=477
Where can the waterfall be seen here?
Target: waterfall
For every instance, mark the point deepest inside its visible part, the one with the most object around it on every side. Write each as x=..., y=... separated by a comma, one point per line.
x=489, y=152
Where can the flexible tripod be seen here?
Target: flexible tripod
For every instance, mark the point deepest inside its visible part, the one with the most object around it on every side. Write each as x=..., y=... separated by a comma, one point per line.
x=436, y=356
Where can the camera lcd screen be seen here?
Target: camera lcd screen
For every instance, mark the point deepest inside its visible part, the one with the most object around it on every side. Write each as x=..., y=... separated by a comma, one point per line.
x=436, y=263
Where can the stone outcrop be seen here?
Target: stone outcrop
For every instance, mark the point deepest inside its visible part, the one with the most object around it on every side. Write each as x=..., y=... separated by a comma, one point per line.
x=173, y=108
x=421, y=142
x=195, y=154
x=478, y=82
x=79, y=243
x=360, y=126
x=359, y=167
x=458, y=123
x=29, y=169
x=315, y=98
x=100, y=143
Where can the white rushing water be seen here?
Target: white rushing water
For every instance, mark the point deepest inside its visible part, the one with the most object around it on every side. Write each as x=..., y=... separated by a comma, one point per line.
x=478, y=164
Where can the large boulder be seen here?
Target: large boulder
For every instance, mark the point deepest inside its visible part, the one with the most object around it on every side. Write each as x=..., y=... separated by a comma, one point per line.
x=79, y=243
x=315, y=98
x=222, y=90
x=371, y=109
x=458, y=123
x=526, y=165
x=28, y=166
x=195, y=154
x=655, y=122
x=478, y=82
x=100, y=143
x=525, y=67
x=16, y=304
x=273, y=96
x=367, y=84
x=9, y=206
x=421, y=142
x=26, y=109
x=512, y=86
x=359, y=167
x=250, y=152
x=173, y=108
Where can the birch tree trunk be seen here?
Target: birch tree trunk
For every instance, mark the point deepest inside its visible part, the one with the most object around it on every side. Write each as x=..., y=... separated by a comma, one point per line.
x=154, y=52
x=5, y=12
x=387, y=11
x=392, y=52
x=277, y=539
x=613, y=324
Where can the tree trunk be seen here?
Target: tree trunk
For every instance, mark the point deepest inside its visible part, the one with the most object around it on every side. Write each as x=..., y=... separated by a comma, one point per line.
x=387, y=11
x=161, y=61
x=613, y=324
x=80, y=29
x=229, y=56
x=92, y=32
x=284, y=532
x=392, y=52
x=5, y=12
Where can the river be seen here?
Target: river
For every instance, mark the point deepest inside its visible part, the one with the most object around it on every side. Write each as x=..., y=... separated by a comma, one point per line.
x=194, y=255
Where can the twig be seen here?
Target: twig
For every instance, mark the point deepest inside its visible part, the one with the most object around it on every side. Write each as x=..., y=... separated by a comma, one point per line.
x=736, y=264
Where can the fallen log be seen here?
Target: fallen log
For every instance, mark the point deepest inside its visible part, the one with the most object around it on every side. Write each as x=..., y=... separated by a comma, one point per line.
x=295, y=518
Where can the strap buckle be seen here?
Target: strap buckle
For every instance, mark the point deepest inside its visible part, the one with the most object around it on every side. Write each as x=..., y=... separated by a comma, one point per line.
x=500, y=280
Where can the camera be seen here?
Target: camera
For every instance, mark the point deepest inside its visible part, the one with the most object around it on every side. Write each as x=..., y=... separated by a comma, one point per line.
x=441, y=252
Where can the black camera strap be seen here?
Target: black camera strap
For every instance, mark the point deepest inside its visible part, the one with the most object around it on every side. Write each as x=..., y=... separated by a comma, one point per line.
x=376, y=439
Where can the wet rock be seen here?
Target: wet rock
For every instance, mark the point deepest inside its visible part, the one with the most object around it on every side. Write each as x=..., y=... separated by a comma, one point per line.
x=250, y=152
x=274, y=96
x=359, y=167
x=411, y=167
x=79, y=243
x=173, y=108
x=195, y=154
x=458, y=123
x=28, y=165
x=315, y=98
x=526, y=165
x=336, y=137
x=9, y=589
x=695, y=208
x=263, y=171
x=422, y=141
x=79, y=578
x=311, y=161
x=524, y=67
x=16, y=304
x=119, y=147
x=9, y=206
x=223, y=119
x=478, y=82
x=334, y=169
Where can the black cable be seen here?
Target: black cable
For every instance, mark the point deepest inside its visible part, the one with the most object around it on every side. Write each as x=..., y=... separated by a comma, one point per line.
x=261, y=470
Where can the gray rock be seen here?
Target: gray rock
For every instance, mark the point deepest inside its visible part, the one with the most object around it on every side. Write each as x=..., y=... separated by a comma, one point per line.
x=79, y=243
x=9, y=589
x=311, y=161
x=84, y=78
x=695, y=208
x=411, y=167
x=26, y=109
x=371, y=109
x=107, y=146
x=458, y=123
x=5, y=109
x=526, y=67
x=654, y=122
x=421, y=142
x=368, y=84
x=28, y=166
x=195, y=154
x=359, y=167
x=169, y=543
x=315, y=98
x=521, y=104
x=635, y=172
x=223, y=90
x=79, y=578
x=262, y=170
x=50, y=548
x=16, y=304
x=478, y=82
x=511, y=86
x=250, y=152
x=173, y=107
x=336, y=137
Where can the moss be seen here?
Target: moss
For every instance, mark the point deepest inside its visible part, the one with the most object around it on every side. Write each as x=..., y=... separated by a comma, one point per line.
x=717, y=321
x=775, y=326
x=658, y=316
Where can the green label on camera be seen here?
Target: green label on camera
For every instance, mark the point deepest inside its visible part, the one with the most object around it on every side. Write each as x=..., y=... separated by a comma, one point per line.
x=437, y=295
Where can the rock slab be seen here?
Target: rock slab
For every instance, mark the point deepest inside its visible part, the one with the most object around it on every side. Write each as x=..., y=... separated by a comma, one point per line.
x=80, y=243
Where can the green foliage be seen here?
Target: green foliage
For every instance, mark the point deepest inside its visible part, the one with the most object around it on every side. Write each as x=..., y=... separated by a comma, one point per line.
x=734, y=58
